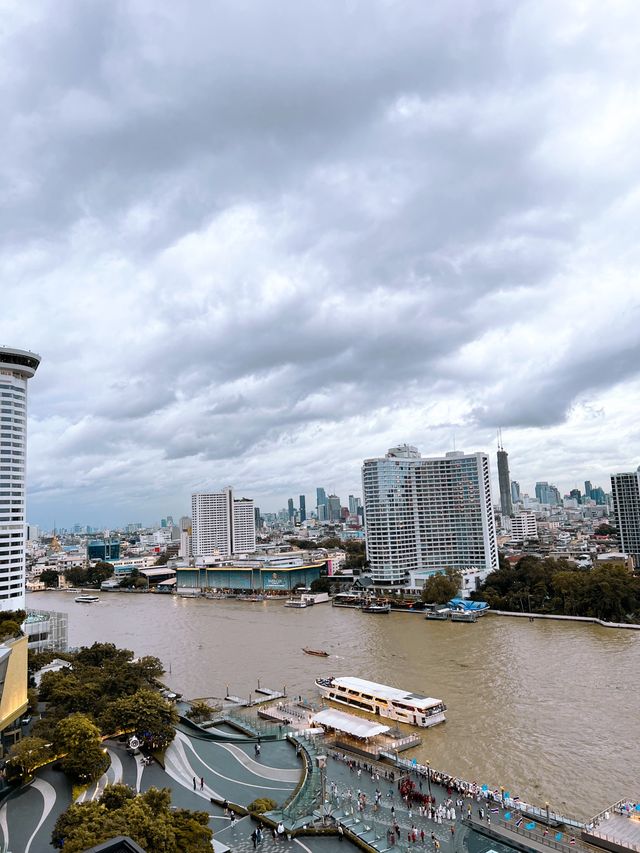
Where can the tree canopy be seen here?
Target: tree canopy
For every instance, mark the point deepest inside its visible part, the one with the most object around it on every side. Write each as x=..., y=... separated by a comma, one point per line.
x=99, y=675
x=538, y=585
x=146, y=818
x=441, y=588
x=81, y=741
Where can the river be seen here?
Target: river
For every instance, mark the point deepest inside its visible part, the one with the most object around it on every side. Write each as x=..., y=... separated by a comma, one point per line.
x=548, y=709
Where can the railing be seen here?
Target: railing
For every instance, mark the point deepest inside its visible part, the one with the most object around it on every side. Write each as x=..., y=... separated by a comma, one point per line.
x=534, y=836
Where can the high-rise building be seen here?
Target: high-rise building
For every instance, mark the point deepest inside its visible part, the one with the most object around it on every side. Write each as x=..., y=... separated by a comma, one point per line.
x=576, y=495
x=547, y=494
x=504, y=481
x=625, y=489
x=258, y=517
x=587, y=488
x=303, y=508
x=290, y=509
x=16, y=368
x=321, y=504
x=598, y=495
x=333, y=508
x=222, y=524
x=428, y=513
x=515, y=492
x=354, y=505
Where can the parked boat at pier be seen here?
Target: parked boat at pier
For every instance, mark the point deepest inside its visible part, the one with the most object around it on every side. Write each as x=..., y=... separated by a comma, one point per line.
x=376, y=607
x=383, y=701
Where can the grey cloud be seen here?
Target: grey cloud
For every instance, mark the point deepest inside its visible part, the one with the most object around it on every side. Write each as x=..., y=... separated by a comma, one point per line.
x=258, y=242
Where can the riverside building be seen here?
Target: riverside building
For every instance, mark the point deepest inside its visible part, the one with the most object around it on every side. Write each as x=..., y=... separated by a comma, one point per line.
x=425, y=515
x=625, y=489
x=16, y=368
x=221, y=524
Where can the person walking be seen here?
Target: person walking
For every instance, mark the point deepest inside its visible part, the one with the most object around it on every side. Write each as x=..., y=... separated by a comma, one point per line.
x=194, y=783
x=254, y=838
x=233, y=820
x=340, y=832
x=202, y=783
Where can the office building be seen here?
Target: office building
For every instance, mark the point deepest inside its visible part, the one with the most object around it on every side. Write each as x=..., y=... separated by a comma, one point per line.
x=625, y=489
x=16, y=368
x=290, y=510
x=515, y=492
x=587, y=488
x=576, y=495
x=354, y=505
x=221, y=524
x=303, y=509
x=428, y=514
x=547, y=494
x=333, y=508
x=103, y=549
x=321, y=504
x=504, y=481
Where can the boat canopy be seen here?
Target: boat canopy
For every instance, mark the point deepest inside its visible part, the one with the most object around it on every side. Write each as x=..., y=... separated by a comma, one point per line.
x=467, y=604
x=348, y=724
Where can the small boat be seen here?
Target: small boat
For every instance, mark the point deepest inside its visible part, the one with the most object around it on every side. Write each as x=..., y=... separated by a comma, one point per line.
x=296, y=602
x=86, y=599
x=440, y=614
x=317, y=652
x=376, y=607
x=463, y=616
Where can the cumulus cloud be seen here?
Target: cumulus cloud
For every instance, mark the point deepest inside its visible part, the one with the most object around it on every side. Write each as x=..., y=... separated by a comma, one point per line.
x=257, y=243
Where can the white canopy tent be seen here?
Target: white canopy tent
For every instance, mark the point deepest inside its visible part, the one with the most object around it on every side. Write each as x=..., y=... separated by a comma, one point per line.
x=348, y=724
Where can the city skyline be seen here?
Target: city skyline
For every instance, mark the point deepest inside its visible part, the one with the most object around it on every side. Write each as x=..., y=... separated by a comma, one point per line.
x=261, y=248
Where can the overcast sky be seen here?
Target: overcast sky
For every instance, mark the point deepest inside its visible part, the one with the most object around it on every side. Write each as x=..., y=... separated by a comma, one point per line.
x=257, y=242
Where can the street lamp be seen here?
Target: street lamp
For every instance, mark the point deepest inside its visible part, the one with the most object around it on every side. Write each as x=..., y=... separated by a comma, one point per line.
x=546, y=805
x=429, y=778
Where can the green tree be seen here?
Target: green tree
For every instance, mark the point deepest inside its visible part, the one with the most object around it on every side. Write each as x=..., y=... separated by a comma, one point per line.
x=146, y=818
x=100, y=572
x=50, y=578
x=146, y=713
x=80, y=739
x=440, y=588
x=25, y=756
x=76, y=576
x=200, y=711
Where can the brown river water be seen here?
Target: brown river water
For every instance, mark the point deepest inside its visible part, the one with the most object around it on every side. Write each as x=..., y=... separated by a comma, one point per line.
x=550, y=710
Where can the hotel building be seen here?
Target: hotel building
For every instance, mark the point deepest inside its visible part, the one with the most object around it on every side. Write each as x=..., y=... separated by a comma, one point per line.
x=425, y=515
x=16, y=368
x=221, y=524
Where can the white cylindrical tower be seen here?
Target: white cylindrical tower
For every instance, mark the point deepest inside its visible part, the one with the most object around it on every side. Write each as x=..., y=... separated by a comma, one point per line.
x=16, y=368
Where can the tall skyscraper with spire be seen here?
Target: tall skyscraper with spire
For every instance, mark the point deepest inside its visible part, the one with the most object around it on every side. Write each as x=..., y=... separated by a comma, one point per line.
x=504, y=480
x=16, y=368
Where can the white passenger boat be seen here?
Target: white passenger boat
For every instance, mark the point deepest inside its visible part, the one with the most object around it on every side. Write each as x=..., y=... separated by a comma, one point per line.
x=86, y=599
x=383, y=701
x=296, y=602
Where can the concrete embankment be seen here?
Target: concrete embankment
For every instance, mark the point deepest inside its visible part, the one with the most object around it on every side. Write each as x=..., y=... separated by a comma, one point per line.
x=591, y=619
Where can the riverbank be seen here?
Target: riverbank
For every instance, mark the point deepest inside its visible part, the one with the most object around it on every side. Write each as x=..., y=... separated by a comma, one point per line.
x=586, y=619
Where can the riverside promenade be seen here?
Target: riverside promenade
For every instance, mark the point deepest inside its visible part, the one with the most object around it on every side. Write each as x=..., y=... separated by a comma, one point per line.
x=357, y=800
